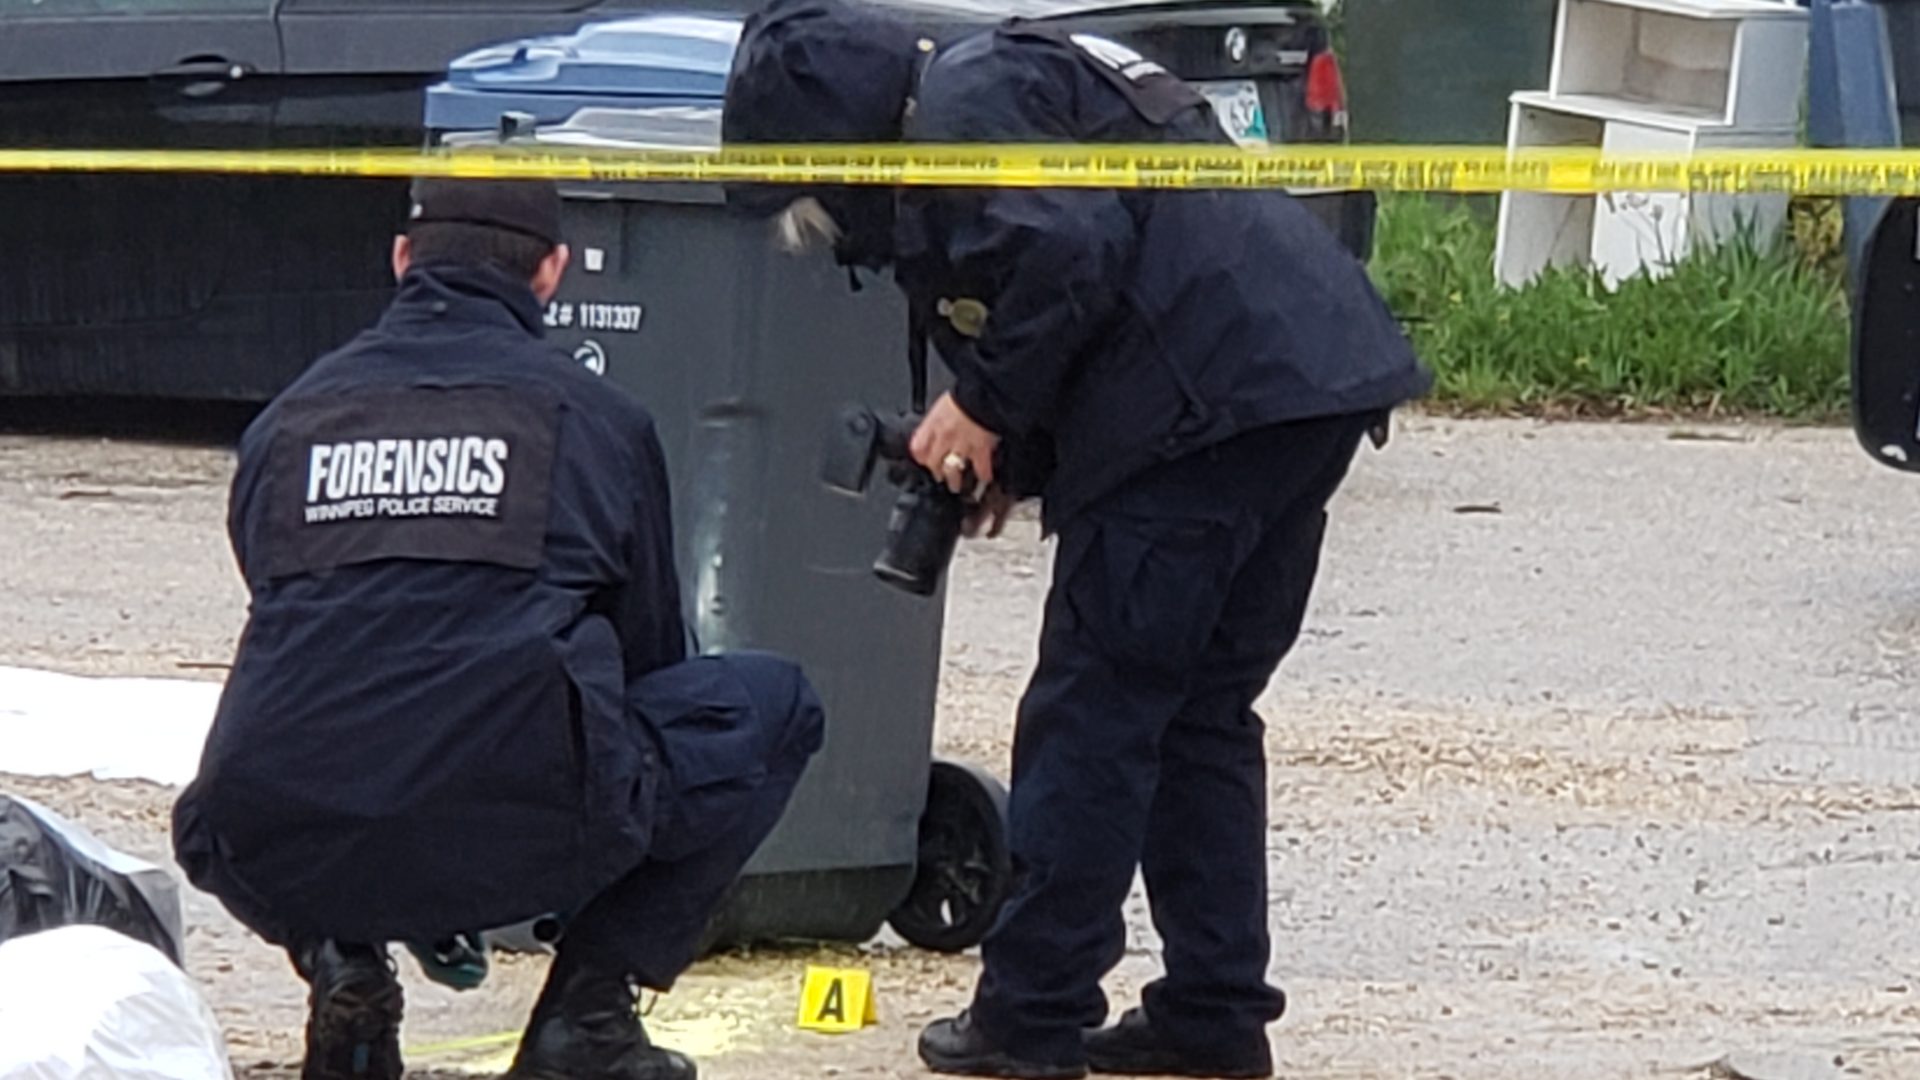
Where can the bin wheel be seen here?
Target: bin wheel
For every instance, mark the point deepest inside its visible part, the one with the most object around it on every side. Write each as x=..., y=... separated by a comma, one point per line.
x=965, y=864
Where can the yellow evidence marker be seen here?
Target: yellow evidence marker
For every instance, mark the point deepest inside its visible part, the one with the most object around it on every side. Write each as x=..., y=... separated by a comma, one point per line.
x=837, y=1000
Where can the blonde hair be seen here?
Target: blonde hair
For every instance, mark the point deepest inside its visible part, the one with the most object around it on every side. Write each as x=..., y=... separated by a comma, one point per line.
x=806, y=226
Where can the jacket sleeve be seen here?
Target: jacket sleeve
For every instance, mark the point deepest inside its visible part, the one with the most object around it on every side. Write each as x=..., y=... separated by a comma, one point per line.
x=645, y=608
x=1045, y=262
x=244, y=492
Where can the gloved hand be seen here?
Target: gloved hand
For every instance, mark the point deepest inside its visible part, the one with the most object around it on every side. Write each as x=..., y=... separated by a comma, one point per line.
x=459, y=961
x=988, y=516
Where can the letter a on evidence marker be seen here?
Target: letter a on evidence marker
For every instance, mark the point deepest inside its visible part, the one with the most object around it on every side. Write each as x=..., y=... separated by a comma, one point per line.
x=837, y=1000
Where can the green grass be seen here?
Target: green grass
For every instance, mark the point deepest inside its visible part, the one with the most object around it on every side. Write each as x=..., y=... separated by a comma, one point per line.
x=1744, y=329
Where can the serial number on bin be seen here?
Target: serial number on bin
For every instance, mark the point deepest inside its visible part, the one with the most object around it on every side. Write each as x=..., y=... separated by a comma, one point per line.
x=619, y=318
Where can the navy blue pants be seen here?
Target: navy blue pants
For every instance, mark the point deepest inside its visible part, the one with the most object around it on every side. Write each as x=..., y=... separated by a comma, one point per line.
x=736, y=731
x=1173, y=601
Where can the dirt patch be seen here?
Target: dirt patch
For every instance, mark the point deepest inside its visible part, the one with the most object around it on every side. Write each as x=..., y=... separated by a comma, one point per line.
x=1614, y=783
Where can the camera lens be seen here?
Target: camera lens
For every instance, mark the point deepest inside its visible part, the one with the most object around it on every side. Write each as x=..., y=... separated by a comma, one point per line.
x=921, y=536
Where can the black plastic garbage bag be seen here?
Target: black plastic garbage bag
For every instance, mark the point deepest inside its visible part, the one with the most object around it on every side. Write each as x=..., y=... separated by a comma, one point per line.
x=53, y=873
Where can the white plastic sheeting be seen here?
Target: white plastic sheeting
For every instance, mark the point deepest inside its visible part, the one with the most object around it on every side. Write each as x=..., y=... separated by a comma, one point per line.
x=86, y=1003
x=115, y=729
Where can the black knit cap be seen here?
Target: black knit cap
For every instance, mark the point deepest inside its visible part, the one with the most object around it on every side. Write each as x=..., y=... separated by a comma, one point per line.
x=830, y=71
x=827, y=71
x=528, y=207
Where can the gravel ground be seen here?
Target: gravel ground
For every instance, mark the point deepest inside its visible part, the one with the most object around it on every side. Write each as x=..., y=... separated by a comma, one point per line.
x=1596, y=760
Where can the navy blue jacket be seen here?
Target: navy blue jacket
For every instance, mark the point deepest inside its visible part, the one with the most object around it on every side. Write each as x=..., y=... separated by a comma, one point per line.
x=1126, y=328
x=458, y=545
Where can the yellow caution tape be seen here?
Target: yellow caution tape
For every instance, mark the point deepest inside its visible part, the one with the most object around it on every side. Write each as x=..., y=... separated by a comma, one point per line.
x=1459, y=170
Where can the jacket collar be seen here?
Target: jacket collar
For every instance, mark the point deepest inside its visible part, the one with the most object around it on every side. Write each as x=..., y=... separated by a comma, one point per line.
x=442, y=292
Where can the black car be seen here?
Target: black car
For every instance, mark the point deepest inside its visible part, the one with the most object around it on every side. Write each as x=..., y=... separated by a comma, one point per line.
x=225, y=286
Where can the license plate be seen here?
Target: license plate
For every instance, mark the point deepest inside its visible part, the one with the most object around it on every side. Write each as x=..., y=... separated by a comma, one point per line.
x=1237, y=105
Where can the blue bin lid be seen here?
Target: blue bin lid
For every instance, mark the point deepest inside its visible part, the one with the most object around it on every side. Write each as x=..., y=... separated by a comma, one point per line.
x=679, y=56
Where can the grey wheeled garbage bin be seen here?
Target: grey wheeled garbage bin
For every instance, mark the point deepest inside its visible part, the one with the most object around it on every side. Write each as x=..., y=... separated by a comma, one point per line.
x=746, y=356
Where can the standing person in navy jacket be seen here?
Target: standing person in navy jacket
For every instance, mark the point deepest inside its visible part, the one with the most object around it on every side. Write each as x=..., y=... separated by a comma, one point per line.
x=1182, y=378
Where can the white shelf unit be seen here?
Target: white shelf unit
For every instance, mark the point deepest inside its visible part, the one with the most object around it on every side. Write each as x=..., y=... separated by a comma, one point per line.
x=1653, y=76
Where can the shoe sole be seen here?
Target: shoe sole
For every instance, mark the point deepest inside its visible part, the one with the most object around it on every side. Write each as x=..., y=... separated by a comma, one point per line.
x=1010, y=1069
x=1193, y=1072
x=540, y=1072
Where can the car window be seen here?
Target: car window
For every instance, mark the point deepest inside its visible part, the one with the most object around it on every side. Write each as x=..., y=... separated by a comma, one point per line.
x=53, y=9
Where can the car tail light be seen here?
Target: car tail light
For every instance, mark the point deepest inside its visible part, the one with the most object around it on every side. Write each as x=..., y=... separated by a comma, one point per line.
x=1325, y=91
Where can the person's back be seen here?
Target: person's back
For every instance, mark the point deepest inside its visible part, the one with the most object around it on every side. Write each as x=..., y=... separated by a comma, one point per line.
x=1173, y=320
x=463, y=697
x=1098, y=332
x=438, y=525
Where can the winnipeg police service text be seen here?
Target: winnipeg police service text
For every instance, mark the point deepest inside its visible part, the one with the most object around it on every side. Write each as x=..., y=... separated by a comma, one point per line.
x=458, y=476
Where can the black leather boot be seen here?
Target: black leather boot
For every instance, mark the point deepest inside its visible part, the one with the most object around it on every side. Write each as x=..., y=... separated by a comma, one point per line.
x=1133, y=1048
x=353, y=1012
x=585, y=1027
x=959, y=1047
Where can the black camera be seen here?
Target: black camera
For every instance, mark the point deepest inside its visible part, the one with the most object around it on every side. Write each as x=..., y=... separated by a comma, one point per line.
x=927, y=517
